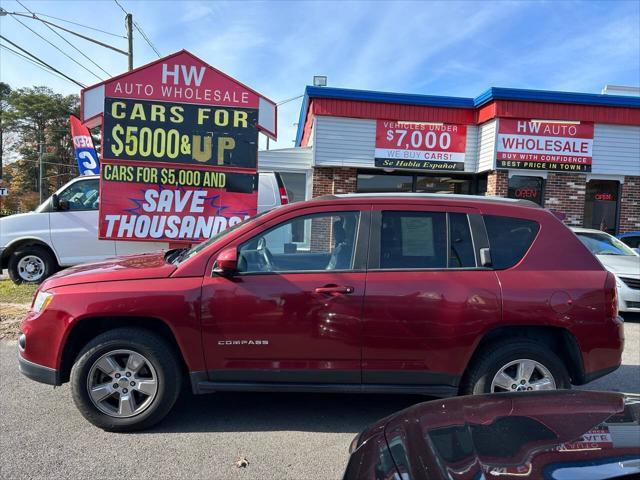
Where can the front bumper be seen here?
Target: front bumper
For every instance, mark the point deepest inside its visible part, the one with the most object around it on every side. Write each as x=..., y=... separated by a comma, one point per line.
x=628, y=298
x=36, y=372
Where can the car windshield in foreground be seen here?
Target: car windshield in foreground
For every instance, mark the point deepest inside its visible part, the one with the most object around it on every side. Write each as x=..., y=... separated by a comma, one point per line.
x=604, y=244
x=183, y=254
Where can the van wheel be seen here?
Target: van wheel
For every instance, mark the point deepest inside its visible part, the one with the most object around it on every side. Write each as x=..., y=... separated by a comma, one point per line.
x=515, y=366
x=31, y=264
x=126, y=379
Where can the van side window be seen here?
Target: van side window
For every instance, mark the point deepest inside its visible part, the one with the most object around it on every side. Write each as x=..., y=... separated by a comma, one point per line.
x=82, y=195
x=413, y=240
x=461, y=253
x=509, y=239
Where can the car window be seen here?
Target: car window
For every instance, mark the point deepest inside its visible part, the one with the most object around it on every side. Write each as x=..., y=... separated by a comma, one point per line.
x=509, y=239
x=604, y=244
x=331, y=247
x=461, y=252
x=82, y=195
x=413, y=240
x=632, y=240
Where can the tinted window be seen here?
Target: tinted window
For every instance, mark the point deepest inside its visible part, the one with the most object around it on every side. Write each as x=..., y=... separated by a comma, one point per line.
x=601, y=205
x=509, y=239
x=331, y=246
x=461, y=252
x=83, y=195
x=526, y=188
x=413, y=240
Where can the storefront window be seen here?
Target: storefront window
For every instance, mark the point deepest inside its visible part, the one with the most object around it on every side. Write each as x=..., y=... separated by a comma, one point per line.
x=370, y=182
x=380, y=183
x=443, y=185
x=526, y=188
x=601, y=205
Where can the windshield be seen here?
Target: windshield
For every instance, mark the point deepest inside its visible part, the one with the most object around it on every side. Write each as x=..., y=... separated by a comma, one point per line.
x=604, y=244
x=191, y=252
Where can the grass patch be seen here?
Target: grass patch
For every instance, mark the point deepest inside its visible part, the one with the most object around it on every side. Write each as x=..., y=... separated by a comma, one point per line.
x=12, y=293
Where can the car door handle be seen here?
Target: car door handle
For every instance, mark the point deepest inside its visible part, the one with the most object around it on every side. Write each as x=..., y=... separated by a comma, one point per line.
x=334, y=289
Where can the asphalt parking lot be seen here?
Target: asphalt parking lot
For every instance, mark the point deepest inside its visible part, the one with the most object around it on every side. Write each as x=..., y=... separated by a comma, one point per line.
x=296, y=436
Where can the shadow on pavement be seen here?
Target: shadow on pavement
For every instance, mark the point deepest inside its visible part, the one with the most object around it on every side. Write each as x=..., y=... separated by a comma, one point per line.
x=259, y=412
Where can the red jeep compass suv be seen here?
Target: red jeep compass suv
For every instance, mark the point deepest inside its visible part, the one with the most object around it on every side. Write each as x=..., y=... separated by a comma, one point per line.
x=440, y=295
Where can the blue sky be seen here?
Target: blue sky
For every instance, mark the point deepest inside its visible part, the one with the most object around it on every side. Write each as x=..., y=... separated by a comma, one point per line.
x=438, y=48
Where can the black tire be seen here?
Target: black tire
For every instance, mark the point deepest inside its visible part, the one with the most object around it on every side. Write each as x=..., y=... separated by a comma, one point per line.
x=487, y=363
x=156, y=350
x=42, y=253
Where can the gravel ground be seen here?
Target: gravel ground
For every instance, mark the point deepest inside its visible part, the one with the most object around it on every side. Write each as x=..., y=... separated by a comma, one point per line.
x=283, y=436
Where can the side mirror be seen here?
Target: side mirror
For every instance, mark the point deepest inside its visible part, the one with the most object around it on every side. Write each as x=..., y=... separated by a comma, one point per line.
x=485, y=258
x=227, y=262
x=55, y=201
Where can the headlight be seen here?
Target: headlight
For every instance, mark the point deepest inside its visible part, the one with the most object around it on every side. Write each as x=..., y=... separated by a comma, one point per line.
x=41, y=301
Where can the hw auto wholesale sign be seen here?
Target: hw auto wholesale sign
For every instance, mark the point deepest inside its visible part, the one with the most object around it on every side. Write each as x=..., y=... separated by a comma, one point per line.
x=424, y=146
x=539, y=145
x=180, y=149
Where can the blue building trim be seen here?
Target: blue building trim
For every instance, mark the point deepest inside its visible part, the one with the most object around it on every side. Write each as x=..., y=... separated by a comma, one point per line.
x=493, y=93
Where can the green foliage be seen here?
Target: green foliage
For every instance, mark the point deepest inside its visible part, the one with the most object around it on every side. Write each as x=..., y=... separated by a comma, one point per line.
x=37, y=115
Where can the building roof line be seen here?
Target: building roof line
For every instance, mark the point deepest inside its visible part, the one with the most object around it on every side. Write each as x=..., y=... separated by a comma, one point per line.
x=489, y=95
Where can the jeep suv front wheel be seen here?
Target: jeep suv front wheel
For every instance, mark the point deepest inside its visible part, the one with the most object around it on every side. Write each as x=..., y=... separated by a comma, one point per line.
x=515, y=366
x=125, y=379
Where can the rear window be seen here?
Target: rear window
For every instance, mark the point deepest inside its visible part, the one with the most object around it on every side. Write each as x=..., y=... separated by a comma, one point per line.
x=509, y=239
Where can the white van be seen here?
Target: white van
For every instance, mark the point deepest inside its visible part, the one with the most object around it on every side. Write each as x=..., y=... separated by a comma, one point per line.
x=63, y=231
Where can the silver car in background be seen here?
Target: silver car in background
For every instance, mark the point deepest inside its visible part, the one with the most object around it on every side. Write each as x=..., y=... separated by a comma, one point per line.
x=619, y=259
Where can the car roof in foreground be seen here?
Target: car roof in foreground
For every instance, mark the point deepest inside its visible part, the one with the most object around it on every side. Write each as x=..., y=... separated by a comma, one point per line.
x=535, y=432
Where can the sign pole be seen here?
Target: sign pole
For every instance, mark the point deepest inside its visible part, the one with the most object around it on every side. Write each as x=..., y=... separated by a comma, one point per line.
x=129, y=22
x=40, y=176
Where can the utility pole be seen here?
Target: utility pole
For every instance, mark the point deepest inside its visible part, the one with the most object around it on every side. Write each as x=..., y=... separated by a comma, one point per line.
x=129, y=21
x=40, y=175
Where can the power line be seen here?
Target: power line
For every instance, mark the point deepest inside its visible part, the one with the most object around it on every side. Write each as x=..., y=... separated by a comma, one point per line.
x=34, y=62
x=38, y=161
x=139, y=28
x=42, y=61
x=68, y=42
x=80, y=25
x=282, y=102
x=55, y=46
x=144, y=35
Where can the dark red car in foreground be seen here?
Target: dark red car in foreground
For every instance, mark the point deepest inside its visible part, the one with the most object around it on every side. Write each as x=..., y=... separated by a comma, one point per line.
x=564, y=435
x=437, y=295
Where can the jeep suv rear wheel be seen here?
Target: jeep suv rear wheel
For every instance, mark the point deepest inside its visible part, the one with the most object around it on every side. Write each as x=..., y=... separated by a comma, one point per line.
x=125, y=379
x=515, y=366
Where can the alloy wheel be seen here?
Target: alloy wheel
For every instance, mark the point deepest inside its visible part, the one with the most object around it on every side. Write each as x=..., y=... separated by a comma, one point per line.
x=122, y=383
x=522, y=375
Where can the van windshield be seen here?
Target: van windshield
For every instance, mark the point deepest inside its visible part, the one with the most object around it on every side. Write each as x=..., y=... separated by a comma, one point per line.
x=196, y=249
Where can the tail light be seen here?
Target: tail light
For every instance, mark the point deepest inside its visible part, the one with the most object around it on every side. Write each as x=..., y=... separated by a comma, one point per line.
x=284, y=198
x=611, y=296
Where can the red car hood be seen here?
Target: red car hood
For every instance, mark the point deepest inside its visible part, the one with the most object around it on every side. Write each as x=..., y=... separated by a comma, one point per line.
x=134, y=267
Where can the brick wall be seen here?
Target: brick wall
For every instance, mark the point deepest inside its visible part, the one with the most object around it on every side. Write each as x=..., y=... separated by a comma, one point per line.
x=630, y=205
x=333, y=180
x=498, y=183
x=565, y=192
x=329, y=181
